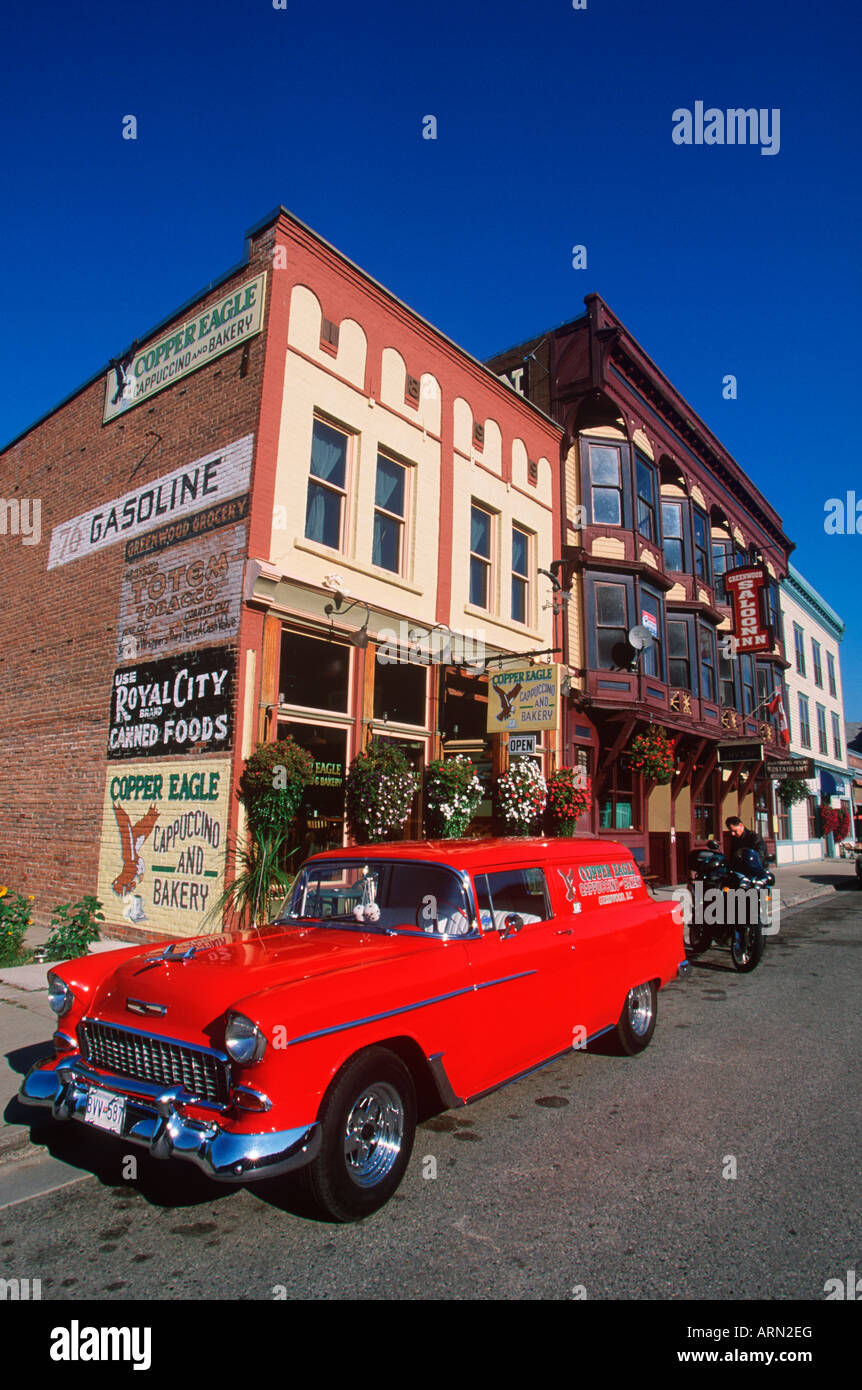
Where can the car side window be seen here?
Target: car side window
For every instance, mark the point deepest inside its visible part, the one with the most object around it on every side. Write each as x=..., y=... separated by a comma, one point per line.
x=512, y=890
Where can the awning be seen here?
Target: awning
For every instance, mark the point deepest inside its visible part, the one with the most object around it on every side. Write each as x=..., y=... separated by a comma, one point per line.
x=830, y=785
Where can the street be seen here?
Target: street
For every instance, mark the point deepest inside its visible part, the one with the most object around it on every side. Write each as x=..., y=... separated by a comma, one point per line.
x=721, y=1163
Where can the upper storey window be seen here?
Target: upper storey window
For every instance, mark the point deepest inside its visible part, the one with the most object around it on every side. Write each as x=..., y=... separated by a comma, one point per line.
x=700, y=526
x=646, y=500
x=673, y=535
x=606, y=485
x=327, y=486
x=389, y=515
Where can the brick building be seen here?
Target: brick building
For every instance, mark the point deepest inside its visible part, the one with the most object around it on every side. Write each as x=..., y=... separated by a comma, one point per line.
x=287, y=476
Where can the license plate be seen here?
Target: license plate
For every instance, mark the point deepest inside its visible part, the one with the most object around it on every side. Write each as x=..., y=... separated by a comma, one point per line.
x=106, y=1111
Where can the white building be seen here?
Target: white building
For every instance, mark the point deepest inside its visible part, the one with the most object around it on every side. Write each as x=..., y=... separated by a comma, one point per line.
x=815, y=711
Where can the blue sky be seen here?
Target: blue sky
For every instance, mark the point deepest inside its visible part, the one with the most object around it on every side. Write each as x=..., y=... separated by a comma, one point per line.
x=554, y=129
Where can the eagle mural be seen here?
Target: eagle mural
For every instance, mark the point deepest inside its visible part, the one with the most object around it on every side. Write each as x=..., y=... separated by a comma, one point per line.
x=131, y=839
x=507, y=699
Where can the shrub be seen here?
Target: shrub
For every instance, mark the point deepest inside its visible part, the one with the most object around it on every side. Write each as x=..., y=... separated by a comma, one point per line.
x=74, y=928
x=14, y=920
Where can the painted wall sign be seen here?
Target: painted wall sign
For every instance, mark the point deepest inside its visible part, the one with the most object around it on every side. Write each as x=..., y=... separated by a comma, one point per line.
x=607, y=883
x=164, y=828
x=187, y=527
x=523, y=700
x=224, y=325
x=204, y=483
x=183, y=596
x=181, y=704
x=744, y=586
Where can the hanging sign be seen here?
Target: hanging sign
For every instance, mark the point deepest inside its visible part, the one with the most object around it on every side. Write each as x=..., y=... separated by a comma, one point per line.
x=750, y=631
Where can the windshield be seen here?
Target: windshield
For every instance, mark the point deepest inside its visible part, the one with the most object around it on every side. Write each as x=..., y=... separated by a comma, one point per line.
x=377, y=895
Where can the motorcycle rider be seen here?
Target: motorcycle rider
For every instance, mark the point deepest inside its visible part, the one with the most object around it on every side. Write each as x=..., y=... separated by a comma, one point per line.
x=747, y=839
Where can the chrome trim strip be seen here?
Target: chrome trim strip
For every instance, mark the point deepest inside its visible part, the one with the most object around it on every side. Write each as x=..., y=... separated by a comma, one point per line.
x=406, y=1008
x=144, y=1006
x=126, y=1085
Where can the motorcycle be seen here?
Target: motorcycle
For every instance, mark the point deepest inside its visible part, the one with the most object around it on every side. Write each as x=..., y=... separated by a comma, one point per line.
x=744, y=876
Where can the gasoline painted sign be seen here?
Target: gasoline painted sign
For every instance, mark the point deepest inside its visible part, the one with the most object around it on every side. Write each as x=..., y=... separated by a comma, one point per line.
x=526, y=700
x=181, y=704
x=182, y=597
x=226, y=324
x=206, y=482
x=164, y=828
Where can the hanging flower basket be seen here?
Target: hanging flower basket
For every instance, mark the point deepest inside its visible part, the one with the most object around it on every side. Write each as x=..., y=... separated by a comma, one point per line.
x=522, y=794
x=378, y=791
x=272, y=783
x=569, y=796
x=651, y=753
x=452, y=794
x=829, y=819
x=791, y=790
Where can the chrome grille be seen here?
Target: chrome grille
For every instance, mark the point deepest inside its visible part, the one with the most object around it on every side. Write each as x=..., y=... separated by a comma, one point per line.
x=127, y=1052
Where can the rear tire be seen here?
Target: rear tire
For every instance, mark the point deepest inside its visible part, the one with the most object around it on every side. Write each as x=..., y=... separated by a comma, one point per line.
x=368, y=1122
x=699, y=939
x=746, y=946
x=638, y=1019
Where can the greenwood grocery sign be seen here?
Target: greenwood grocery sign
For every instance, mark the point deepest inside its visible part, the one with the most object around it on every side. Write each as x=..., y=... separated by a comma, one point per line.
x=224, y=325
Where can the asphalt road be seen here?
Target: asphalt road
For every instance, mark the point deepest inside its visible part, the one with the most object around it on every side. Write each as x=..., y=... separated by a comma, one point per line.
x=605, y=1177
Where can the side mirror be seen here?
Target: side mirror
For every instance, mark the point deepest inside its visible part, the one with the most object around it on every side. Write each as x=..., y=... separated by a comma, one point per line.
x=714, y=846
x=513, y=922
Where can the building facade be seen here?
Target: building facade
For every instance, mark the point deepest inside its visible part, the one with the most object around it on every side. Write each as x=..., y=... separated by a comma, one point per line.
x=657, y=513
x=813, y=633
x=293, y=507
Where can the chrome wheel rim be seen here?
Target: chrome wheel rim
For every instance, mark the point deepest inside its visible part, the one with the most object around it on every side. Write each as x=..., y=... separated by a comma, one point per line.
x=743, y=945
x=640, y=1010
x=374, y=1134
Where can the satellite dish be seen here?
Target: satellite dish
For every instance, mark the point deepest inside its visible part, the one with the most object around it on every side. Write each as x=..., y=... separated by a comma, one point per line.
x=640, y=637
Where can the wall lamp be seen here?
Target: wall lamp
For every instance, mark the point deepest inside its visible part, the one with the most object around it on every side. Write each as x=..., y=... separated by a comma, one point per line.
x=357, y=639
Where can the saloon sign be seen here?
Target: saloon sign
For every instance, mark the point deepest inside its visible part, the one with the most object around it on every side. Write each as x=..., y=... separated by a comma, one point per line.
x=224, y=325
x=183, y=704
x=163, y=842
x=745, y=586
x=525, y=700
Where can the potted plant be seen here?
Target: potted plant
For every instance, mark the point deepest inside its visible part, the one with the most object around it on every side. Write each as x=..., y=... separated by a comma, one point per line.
x=261, y=878
x=522, y=794
x=272, y=783
x=378, y=791
x=452, y=794
x=569, y=796
x=791, y=790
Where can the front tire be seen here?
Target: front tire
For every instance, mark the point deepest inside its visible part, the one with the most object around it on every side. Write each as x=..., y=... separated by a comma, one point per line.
x=638, y=1019
x=368, y=1121
x=746, y=946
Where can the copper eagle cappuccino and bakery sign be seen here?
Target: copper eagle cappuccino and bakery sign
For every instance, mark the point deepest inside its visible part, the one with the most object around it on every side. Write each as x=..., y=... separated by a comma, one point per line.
x=224, y=325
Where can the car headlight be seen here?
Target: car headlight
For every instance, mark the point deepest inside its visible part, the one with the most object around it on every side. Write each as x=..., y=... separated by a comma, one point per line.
x=60, y=997
x=243, y=1039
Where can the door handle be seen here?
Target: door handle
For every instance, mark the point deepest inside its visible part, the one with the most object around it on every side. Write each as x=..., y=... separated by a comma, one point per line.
x=567, y=931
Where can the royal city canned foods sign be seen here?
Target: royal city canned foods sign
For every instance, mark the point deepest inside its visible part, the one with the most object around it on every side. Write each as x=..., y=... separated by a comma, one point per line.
x=207, y=482
x=224, y=325
x=162, y=853
x=182, y=704
x=525, y=700
x=183, y=596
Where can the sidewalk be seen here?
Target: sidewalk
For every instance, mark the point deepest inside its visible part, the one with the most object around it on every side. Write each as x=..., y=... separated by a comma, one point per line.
x=798, y=883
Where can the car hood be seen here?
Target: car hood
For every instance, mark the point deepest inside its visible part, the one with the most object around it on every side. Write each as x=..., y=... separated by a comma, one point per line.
x=186, y=997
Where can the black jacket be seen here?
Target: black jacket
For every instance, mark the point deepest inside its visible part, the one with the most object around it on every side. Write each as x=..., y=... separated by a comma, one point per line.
x=749, y=839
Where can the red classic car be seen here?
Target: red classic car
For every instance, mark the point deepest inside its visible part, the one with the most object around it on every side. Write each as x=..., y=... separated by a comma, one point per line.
x=397, y=980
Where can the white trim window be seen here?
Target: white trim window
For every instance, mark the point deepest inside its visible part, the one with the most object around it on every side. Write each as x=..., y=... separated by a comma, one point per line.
x=326, y=506
x=521, y=568
x=481, y=556
x=390, y=515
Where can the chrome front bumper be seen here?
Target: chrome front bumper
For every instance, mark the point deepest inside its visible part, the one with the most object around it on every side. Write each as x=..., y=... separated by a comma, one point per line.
x=153, y=1120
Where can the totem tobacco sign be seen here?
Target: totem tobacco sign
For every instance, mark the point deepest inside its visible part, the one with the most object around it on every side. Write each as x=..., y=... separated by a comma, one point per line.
x=183, y=596
x=224, y=325
x=183, y=704
x=164, y=827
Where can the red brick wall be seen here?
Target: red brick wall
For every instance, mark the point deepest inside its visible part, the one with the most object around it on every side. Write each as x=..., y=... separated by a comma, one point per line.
x=58, y=628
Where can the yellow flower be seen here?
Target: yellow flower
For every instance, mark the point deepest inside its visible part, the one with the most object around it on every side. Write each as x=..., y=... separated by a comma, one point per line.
x=30, y=896
x=3, y=891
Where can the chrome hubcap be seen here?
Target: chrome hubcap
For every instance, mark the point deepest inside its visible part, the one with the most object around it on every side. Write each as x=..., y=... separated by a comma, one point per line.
x=374, y=1134
x=640, y=1009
